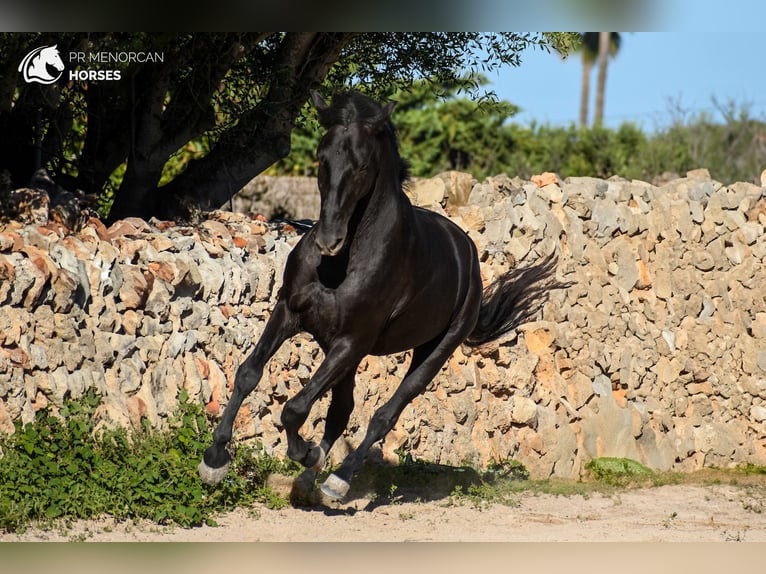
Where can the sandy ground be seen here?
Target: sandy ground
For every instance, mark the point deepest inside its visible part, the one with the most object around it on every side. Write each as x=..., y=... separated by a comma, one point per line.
x=692, y=513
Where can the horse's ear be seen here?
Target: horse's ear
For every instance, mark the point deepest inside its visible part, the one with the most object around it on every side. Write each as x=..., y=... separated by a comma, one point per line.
x=321, y=107
x=318, y=102
x=387, y=110
x=383, y=117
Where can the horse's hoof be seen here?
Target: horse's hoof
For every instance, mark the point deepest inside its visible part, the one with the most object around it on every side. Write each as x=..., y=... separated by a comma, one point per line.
x=210, y=475
x=335, y=487
x=319, y=464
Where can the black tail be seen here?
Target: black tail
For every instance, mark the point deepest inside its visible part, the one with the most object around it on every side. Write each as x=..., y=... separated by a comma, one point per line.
x=513, y=298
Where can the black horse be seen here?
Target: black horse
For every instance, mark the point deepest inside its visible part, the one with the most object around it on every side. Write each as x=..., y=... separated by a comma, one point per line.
x=374, y=276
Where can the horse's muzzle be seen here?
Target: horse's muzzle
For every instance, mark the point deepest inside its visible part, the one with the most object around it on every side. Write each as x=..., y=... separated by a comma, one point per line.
x=330, y=247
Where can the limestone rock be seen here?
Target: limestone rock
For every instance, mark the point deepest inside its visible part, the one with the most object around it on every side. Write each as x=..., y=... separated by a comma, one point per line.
x=654, y=352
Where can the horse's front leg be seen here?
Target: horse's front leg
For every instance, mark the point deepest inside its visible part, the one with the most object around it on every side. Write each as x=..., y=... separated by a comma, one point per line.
x=338, y=414
x=337, y=370
x=279, y=327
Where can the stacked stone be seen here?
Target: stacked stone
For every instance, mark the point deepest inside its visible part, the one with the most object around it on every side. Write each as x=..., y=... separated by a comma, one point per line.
x=273, y=197
x=657, y=350
x=137, y=311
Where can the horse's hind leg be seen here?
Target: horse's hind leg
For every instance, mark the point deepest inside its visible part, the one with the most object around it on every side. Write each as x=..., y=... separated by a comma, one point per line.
x=279, y=327
x=341, y=406
x=338, y=413
x=427, y=360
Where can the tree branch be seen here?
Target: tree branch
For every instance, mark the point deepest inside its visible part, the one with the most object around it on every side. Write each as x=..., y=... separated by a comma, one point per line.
x=302, y=61
x=161, y=128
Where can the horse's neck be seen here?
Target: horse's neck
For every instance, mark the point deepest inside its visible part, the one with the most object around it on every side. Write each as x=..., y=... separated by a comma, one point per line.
x=387, y=211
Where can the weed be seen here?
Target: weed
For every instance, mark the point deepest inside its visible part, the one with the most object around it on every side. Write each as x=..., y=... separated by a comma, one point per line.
x=752, y=500
x=618, y=471
x=507, y=469
x=733, y=536
x=57, y=469
x=749, y=468
x=498, y=484
x=393, y=497
x=753, y=505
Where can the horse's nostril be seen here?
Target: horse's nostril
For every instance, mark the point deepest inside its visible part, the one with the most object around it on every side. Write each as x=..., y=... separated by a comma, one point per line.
x=330, y=248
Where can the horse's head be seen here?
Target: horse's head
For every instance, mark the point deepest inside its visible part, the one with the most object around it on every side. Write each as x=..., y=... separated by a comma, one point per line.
x=35, y=64
x=350, y=157
x=50, y=55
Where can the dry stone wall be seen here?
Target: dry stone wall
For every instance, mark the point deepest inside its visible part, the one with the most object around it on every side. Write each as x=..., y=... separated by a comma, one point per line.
x=271, y=197
x=657, y=351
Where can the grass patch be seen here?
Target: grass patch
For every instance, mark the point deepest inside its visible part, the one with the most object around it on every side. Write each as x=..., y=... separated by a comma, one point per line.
x=619, y=471
x=503, y=483
x=752, y=469
x=422, y=481
x=59, y=468
x=411, y=481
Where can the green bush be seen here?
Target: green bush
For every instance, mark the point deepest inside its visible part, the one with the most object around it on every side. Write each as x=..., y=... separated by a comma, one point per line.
x=456, y=133
x=618, y=471
x=59, y=467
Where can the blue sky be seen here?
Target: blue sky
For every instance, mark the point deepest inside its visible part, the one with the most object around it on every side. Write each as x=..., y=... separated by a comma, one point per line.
x=653, y=74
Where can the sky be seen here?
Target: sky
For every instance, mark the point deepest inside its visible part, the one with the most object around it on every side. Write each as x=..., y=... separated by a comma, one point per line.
x=654, y=77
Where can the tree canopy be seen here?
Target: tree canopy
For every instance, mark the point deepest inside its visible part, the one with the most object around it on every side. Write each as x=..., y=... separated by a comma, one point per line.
x=436, y=133
x=228, y=101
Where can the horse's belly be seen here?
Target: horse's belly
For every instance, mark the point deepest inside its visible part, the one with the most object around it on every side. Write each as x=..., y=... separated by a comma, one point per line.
x=428, y=314
x=416, y=326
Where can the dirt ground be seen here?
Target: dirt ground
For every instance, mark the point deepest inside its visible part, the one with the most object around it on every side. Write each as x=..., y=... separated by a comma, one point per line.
x=693, y=513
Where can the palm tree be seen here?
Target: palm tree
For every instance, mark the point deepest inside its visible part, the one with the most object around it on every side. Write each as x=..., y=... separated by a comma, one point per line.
x=589, y=51
x=608, y=45
x=596, y=46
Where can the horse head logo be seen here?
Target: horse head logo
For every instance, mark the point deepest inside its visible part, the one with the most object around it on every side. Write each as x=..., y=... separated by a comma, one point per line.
x=36, y=65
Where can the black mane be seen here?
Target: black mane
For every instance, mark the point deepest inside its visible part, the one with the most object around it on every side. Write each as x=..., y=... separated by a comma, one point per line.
x=349, y=107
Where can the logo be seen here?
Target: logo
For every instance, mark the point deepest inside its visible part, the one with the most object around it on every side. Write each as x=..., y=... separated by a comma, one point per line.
x=36, y=66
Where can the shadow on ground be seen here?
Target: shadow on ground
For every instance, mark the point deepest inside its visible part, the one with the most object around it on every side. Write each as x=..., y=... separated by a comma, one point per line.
x=380, y=484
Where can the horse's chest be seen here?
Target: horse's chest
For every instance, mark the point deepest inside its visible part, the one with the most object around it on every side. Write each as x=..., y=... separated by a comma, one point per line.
x=328, y=313
x=333, y=297
x=316, y=308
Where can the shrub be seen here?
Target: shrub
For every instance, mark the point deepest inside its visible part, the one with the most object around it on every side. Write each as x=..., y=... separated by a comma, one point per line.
x=61, y=468
x=618, y=471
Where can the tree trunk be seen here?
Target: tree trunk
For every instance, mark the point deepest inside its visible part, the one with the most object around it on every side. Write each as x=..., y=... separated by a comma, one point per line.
x=603, y=60
x=303, y=61
x=587, y=66
x=157, y=128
